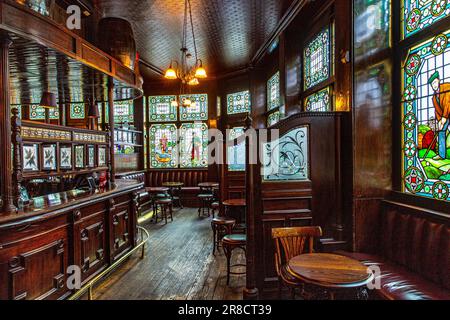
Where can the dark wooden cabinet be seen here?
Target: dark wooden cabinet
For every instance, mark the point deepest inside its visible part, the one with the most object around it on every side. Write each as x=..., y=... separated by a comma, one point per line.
x=35, y=252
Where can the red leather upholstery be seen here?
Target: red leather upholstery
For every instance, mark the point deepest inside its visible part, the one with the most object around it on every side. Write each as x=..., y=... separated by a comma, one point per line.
x=414, y=256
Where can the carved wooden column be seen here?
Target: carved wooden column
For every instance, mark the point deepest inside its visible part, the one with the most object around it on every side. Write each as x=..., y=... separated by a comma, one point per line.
x=16, y=139
x=5, y=126
x=253, y=197
x=112, y=169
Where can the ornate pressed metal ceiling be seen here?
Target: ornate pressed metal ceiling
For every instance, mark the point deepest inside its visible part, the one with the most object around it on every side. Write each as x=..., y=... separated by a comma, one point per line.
x=228, y=32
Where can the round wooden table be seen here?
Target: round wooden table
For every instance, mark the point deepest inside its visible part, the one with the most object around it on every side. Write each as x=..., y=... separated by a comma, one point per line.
x=330, y=272
x=154, y=190
x=236, y=205
x=175, y=191
x=208, y=186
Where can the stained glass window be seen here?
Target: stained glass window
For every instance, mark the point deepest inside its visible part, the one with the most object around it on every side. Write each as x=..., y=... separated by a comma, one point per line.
x=273, y=118
x=426, y=110
x=199, y=111
x=193, y=145
x=317, y=59
x=319, y=101
x=38, y=113
x=18, y=107
x=163, y=146
x=287, y=158
x=77, y=111
x=238, y=102
x=161, y=109
x=372, y=26
x=420, y=14
x=236, y=152
x=123, y=112
x=273, y=92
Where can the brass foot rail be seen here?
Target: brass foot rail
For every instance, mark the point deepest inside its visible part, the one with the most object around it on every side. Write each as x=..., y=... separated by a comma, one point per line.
x=89, y=286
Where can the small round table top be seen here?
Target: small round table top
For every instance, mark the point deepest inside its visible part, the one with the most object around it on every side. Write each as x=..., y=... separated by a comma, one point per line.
x=173, y=184
x=156, y=189
x=235, y=203
x=329, y=270
x=208, y=184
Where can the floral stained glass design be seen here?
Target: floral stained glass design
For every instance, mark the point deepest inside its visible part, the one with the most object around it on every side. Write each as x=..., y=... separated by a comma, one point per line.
x=194, y=113
x=161, y=109
x=420, y=14
x=426, y=114
x=273, y=92
x=372, y=26
x=236, y=152
x=287, y=158
x=123, y=112
x=319, y=101
x=163, y=146
x=273, y=118
x=317, y=59
x=77, y=111
x=194, y=145
x=38, y=113
x=238, y=102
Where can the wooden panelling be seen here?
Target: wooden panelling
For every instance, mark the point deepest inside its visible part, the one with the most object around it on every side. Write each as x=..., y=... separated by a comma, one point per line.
x=92, y=56
x=120, y=227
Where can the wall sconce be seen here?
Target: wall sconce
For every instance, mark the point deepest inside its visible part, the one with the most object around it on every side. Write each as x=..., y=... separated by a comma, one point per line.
x=213, y=124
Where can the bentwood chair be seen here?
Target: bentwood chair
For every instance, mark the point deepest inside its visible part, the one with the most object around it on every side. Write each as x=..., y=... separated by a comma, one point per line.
x=291, y=242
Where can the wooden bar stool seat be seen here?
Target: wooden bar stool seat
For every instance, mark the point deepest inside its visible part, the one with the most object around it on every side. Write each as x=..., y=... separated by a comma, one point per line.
x=166, y=208
x=221, y=226
x=205, y=204
x=231, y=242
x=215, y=207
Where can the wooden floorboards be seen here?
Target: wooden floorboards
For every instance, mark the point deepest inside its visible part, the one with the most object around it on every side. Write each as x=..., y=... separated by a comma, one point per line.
x=178, y=265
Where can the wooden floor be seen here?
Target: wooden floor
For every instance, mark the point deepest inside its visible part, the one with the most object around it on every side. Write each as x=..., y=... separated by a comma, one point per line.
x=178, y=265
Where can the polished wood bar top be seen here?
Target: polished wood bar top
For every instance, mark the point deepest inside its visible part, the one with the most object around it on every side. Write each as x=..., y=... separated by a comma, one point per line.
x=329, y=270
x=235, y=203
x=57, y=203
x=173, y=184
x=156, y=189
x=208, y=185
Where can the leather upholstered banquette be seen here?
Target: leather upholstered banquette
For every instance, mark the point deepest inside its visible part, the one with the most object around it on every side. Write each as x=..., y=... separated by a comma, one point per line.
x=413, y=254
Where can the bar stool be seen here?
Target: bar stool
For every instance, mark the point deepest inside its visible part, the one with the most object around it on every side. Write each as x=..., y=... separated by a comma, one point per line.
x=215, y=207
x=221, y=226
x=205, y=204
x=164, y=205
x=229, y=243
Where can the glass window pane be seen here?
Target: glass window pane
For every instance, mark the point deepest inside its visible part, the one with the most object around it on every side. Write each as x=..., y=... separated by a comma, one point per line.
x=161, y=109
x=163, y=146
x=239, y=102
x=38, y=113
x=194, y=145
x=319, y=101
x=236, y=153
x=273, y=92
x=198, y=109
x=317, y=59
x=77, y=111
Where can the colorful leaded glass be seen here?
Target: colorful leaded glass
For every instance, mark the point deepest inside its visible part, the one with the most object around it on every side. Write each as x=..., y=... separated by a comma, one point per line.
x=317, y=59
x=273, y=92
x=372, y=26
x=426, y=113
x=163, y=146
x=319, y=101
x=239, y=102
x=193, y=145
x=273, y=118
x=19, y=108
x=161, y=109
x=123, y=112
x=236, y=152
x=420, y=14
x=197, y=112
x=77, y=111
x=38, y=113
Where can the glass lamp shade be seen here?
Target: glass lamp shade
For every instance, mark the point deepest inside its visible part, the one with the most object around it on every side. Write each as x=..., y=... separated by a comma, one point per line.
x=193, y=82
x=200, y=73
x=171, y=74
x=48, y=100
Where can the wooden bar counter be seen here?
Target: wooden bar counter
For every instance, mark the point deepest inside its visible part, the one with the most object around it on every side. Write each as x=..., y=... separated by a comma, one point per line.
x=90, y=230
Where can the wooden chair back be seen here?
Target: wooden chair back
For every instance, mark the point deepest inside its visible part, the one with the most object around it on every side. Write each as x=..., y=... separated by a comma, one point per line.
x=294, y=242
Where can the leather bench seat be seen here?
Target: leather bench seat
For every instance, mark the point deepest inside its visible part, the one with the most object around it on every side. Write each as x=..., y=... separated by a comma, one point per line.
x=398, y=283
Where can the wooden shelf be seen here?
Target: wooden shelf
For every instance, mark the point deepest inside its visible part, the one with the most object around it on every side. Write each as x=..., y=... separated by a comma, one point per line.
x=41, y=175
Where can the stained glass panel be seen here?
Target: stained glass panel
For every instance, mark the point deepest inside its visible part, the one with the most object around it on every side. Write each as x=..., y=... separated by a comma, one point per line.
x=420, y=14
x=236, y=153
x=273, y=118
x=238, y=102
x=38, y=113
x=426, y=114
x=77, y=111
x=273, y=92
x=317, y=59
x=319, y=101
x=123, y=112
x=197, y=112
x=194, y=145
x=372, y=26
x=163, y=146
x=161, y=109
x=287, y=158
x=18, y=107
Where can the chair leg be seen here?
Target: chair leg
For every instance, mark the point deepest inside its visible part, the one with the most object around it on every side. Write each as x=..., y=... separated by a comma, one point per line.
x=171, y=212
x=228, y=253
x=165, y=214
x=214, y=239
